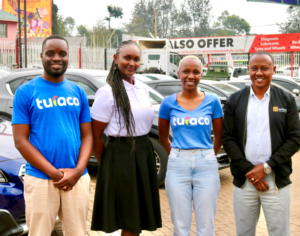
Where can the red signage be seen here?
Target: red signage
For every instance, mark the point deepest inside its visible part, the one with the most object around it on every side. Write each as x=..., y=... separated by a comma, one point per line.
x=276, y=43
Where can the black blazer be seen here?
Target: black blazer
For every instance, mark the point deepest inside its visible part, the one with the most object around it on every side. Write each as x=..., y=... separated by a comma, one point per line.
x=284, y=131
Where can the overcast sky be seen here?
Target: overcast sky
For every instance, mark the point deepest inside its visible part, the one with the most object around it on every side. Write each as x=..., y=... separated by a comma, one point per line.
x=261, y=16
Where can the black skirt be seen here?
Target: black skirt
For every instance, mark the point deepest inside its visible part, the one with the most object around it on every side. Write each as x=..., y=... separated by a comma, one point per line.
x=127, y=195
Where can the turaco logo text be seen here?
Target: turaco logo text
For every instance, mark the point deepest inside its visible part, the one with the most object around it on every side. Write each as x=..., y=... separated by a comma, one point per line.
x=191, y=121
x=57, y=101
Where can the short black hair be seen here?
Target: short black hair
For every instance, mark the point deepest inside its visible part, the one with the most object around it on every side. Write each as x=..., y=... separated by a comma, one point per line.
x=54, y=37
x=263, y=53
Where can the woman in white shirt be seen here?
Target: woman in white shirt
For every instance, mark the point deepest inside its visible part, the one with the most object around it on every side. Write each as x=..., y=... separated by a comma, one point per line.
x=126, y=195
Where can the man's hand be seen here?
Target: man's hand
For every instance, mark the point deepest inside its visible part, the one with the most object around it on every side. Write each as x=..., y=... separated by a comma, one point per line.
x=57, y=176
x=256, y=174
x=69, y=180
x=262, y=186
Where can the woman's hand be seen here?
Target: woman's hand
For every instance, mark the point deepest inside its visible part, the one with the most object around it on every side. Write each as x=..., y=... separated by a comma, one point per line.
x=163, y=131
x=98, y=144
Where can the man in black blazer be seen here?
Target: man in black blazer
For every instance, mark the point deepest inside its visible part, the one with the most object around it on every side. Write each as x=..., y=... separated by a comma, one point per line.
x=261, y=132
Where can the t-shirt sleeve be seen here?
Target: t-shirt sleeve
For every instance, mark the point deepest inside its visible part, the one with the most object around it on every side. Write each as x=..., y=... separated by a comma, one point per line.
x=85, y=115
x=218, y=111
x=164, y=110
x=102, y=107
x=21, y=103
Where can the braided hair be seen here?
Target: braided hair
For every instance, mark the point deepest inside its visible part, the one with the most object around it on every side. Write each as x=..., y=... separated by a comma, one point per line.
x=121, y=99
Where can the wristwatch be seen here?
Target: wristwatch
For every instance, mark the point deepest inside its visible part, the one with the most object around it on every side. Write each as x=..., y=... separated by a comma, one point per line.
x=267, y=168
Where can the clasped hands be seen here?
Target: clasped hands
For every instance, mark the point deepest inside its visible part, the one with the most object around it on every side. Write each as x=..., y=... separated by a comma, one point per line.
x=66, y=179
x=256, y=177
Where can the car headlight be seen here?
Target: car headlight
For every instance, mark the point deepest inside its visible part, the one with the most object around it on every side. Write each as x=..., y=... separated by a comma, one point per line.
x=3, y=179
x=22, y=172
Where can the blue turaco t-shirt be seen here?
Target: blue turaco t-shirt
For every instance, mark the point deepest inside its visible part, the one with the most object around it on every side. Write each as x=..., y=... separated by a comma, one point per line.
x=54, y=112
x=191, y=129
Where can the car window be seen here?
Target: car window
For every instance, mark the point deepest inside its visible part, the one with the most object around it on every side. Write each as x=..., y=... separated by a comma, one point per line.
x=225, y=87
x=15, y=84
x=171, y=58
x=153, y=57
x=87, y=89
x=167, y=90
x=288, y=86
x=207, y=90
x=151, y=77
x=239, y=85
x=101, y=79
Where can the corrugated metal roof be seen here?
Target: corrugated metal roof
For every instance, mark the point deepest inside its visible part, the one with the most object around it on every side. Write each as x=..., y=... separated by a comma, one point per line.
x=7, y=17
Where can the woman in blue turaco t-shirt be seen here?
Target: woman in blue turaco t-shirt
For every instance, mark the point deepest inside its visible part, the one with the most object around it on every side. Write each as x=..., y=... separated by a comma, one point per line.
x=192, y=172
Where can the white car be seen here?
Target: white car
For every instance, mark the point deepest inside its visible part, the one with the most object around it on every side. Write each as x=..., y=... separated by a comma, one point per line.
x=286, y=70
x=158, y=76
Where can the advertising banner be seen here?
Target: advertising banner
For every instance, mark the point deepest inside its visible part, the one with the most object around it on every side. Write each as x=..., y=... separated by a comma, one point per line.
x=237, y=44
x=212, y=45
x=276, y=43
x=287, y=2
x=39, y=16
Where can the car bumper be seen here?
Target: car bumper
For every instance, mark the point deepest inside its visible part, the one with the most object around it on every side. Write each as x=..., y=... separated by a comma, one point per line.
x=8, y=225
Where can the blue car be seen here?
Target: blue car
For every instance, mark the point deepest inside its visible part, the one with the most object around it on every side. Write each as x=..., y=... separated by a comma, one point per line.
x=12, y=172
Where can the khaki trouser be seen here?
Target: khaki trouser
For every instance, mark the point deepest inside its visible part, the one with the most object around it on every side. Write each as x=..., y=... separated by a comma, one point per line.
x=44, y=202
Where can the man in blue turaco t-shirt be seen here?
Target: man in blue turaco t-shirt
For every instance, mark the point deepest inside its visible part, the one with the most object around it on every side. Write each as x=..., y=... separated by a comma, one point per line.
x=52, y=130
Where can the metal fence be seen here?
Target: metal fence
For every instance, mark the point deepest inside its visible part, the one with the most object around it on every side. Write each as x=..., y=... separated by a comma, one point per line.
x=91, y=58
x=280, y=59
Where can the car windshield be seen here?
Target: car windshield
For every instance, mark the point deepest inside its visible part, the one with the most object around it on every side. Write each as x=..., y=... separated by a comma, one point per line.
x=239, y=85
x=226, y=88
x=155, y=97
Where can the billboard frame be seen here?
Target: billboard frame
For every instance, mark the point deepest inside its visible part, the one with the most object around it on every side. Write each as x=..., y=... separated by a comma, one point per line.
x=282, y=2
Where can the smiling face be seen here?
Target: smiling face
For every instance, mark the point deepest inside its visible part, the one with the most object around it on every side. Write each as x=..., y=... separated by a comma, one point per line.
x=190, y=73
x=128, y=60
x=261, y=69
x=55, y=57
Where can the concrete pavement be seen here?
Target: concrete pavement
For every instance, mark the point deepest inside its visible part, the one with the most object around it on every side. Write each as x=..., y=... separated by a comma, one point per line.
x=224, y=222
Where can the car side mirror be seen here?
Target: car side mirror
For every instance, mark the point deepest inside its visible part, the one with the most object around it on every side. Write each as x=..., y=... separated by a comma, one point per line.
x=296, y=91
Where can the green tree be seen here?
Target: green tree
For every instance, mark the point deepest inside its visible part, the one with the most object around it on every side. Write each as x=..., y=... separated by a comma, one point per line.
x=69, y=24
x=292, y=25
x=227, y=24
x=58, y=22
x=200, y=12
x=115, y=12
x=82, y=30
x=182, y=22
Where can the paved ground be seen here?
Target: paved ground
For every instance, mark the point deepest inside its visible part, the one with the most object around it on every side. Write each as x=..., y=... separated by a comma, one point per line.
x=224, y=220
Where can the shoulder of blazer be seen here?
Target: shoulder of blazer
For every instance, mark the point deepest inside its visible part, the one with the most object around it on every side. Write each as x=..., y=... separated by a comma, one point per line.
x=241, y=94
x=282, y=93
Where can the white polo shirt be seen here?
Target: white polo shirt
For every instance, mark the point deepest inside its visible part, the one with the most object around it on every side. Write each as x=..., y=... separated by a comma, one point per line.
x=104, y=109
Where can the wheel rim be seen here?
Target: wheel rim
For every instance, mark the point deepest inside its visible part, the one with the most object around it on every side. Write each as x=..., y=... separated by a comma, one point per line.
x=157, y=162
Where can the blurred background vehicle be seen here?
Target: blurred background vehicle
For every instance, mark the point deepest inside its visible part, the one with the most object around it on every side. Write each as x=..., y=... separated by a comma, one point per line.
x=12, y=172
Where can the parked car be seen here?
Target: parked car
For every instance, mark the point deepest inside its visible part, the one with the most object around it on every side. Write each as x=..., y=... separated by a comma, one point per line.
x=12, y=172
x=222, y=85
x=158, y=76
x=285, y=81
x=286, y=70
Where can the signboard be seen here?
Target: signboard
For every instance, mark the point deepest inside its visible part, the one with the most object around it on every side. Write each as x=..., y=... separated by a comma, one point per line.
x=211, y=45
x=39, y=16
x=288, y=2
x=276, y=43
x=237, y=44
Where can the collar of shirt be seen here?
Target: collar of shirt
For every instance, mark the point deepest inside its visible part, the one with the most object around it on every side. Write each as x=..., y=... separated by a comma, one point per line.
x=129, y=86
x=253, y=94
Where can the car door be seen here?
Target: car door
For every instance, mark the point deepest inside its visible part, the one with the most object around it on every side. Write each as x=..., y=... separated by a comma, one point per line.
x=12, y=87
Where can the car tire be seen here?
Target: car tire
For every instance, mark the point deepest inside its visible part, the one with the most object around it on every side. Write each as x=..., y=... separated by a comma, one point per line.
x=161, y=160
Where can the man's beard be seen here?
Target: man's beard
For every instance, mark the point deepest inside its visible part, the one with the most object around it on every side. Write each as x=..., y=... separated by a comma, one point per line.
x=55, y=74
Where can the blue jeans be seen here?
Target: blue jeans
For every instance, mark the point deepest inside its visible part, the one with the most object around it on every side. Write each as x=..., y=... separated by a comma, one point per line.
x=192, y=175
